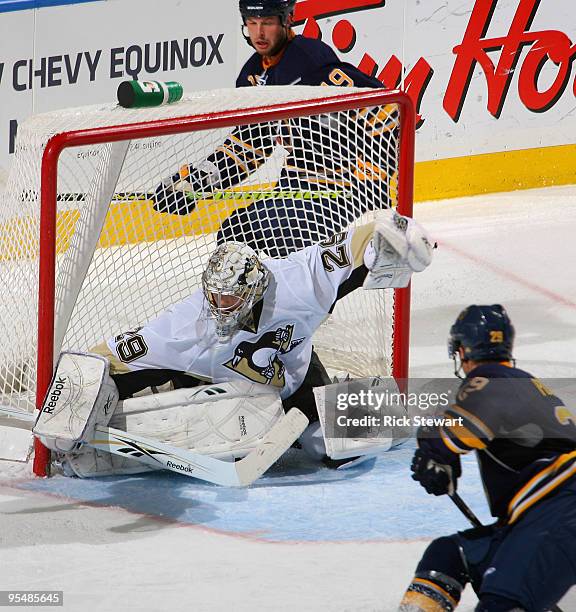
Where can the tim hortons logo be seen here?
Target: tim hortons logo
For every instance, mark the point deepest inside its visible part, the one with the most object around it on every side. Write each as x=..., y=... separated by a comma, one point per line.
x=546, y=45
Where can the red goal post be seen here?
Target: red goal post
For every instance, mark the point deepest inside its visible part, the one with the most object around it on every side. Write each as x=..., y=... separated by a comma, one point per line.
x=329, y=104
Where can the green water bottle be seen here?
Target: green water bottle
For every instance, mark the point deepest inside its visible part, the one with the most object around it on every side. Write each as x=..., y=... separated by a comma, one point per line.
x=140, y=94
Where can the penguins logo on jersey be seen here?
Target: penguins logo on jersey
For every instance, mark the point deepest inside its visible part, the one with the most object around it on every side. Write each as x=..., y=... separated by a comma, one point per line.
x=258, y=361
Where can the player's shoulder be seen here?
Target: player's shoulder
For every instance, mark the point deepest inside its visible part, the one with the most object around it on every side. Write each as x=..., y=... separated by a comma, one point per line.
x=297, y=269
x=497, y=369
x=490, y=384
x=315, y=52
x=294, y=282
x=321, y=61
x=294, y=263
x=337, y=73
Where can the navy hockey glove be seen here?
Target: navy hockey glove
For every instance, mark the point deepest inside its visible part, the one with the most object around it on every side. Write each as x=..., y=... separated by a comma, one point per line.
x=177, y=194
x=435, y=475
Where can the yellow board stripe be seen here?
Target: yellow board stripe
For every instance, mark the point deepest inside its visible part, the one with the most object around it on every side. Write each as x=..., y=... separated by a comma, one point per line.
x=145, y=224
x=446, y=178
x=493, y=172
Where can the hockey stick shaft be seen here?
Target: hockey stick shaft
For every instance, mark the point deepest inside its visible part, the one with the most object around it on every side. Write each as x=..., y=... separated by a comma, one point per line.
x=465, y=509
x=475, y=521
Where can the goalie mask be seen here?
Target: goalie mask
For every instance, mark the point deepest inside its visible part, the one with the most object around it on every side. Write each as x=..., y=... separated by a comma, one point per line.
x=233, y=282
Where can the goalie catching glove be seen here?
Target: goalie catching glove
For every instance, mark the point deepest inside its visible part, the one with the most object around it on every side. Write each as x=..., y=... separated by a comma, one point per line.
x=399, y=247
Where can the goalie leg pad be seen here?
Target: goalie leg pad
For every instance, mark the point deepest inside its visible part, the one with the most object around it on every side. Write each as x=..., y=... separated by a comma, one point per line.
x=80, y=395
x=88, y=462
x=224, y=420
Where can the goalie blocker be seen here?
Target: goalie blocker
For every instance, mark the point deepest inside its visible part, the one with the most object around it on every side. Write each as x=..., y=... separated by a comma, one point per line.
x=80, y=395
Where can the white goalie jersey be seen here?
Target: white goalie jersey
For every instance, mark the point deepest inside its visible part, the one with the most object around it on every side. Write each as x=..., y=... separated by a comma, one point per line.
x=275, y=347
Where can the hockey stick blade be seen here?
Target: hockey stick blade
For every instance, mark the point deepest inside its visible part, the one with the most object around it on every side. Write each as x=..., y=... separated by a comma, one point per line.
x=274, y=444
x=226, y=473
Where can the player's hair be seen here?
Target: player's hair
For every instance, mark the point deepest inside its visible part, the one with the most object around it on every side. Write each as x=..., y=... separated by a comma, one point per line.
x=484, y=332
x=267, y=8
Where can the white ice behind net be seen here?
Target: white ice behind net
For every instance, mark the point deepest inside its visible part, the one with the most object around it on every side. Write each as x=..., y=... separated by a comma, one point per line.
x=121, y=263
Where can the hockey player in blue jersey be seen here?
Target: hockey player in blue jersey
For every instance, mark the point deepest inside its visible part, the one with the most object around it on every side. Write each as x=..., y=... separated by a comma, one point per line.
x=525, y=440
x=284, y=58
x=324, y=162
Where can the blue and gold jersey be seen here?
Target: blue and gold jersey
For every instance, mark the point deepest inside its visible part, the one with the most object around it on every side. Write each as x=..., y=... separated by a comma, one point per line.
x=304, y=61
x=524, y=435
x=328, y=156
x=313, y=162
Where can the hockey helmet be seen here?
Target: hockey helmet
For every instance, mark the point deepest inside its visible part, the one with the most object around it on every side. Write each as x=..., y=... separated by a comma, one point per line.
x=484, y=332
x=233, y=282
x=267, y=8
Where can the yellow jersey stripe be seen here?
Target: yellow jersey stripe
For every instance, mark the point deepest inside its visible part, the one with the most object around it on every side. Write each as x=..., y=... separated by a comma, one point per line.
x=421, y=602
x=473, y=419
x=537, y=478
x=541, y=493
x=466, y=437
x=436, y=588
x=450, y=444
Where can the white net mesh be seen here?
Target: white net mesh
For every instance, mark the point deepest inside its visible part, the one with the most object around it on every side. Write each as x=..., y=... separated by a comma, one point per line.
x=123, y=256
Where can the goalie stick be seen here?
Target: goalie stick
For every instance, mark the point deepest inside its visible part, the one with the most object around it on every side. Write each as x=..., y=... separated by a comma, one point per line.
x=163, y=456
x=227, y=473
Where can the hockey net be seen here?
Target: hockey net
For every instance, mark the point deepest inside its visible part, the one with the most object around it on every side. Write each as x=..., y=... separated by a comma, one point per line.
x=84, y=255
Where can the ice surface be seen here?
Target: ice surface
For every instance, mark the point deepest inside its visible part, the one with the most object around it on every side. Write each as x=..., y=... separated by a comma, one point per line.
x=306, y=539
